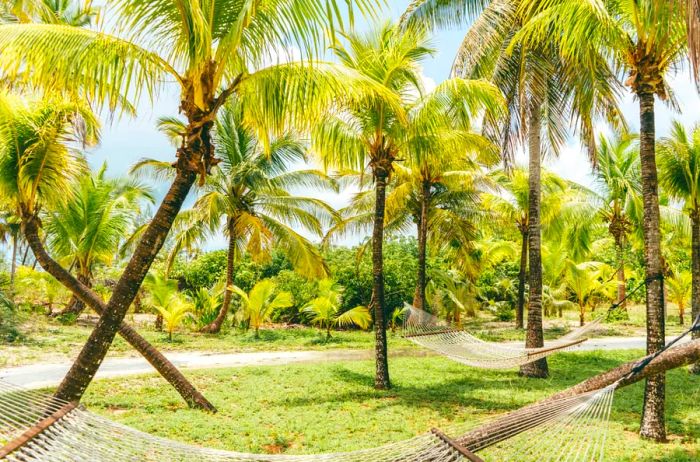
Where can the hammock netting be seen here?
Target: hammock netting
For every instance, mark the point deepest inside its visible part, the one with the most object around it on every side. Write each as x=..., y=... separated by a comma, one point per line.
x=570, y=429
x=432, y=333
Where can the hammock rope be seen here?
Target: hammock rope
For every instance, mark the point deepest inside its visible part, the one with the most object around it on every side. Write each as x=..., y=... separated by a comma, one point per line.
x=430, y=332
x=79, y=435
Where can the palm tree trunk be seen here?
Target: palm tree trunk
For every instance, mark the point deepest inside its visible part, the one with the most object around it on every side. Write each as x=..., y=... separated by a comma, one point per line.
x=13, y=265
x=381, y=380
x=653, y=425
x=695, y=297
x=520, y=309
x=215, y=326
x=535, y=334
x=93, y=353
x=75, y=304
x=419, y=297
x=159, y=362
x=621, y=279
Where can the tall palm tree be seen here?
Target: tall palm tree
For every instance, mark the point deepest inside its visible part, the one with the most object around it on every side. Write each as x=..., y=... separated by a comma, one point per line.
x=679, y=175
x=89, y=227
x=247, y=197
x=541, y=90
x=435, y=190
x=645, y=39
x=211, y=51
x=38, y=165
x=617, y=175
x=374, y=134
x=513, y=209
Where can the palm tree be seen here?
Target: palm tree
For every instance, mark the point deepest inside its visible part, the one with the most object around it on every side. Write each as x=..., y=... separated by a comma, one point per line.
x=541, y=90
x=513, y=208
x=88, y=229
x=38, y=165
x=586, y=282
x=324, y=310
x=375, y=133
x=645, y=39
x=164, y=298
x=211, y=50
x=679, y=175
x=679, y=291
x=261, y=302
x=617, y=175
x=248, y=198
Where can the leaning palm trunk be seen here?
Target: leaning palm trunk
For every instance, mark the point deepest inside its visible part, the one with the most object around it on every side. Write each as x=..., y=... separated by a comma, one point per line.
x=93, y=353
x=695, y=297
x=381, y=380
x=215, y=326
x=535, y=334
x=522, y=275
x=169, y=372
x=75, y=304
x=653, y=426
x=419, y=297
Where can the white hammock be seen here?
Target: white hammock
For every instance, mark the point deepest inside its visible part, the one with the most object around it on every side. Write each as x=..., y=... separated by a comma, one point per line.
x=36, y=427
x=430, y=332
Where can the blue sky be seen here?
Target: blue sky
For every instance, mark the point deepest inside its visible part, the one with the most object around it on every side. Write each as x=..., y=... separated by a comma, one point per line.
x=127, y=140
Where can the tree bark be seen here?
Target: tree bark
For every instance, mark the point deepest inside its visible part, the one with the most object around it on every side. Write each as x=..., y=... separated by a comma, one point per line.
x=419, y=297
x=13, y=264
x=522, y=275
x=675, y=357
x=695, y=294
x=621, y=279
x=169, y=372
x=535, y=333
x=653, y=426
x=381, y=380
x=93, y=353
x=75, y=304
x=215, y=326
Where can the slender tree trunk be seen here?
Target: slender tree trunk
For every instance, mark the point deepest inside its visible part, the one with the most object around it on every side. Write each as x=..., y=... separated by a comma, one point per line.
x=159, y=362
x=681, y=312
x=695, y=297
x=381, y=380
x=215, y=326
x=582, y=315
x=93, y=353
x=13, y=264
x=25, y=255
x=621, y=279
x=520, y=309
x=535, y=333
x=653, y=425
x=419, y=297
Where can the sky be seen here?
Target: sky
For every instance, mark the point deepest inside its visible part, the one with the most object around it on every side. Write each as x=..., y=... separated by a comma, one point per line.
x=127, y=140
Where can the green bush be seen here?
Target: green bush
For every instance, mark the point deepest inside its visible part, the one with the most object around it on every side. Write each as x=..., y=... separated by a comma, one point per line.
x=8, y=320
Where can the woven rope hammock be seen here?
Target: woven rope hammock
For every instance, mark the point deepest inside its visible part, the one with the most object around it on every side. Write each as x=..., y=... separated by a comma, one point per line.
x=38, y=427
x=430, y=332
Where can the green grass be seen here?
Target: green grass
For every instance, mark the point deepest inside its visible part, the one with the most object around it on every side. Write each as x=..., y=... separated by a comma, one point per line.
x=334, y=407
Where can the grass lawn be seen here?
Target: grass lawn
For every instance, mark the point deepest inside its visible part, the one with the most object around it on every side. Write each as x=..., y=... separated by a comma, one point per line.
x=45, y=340
x=334, y=407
